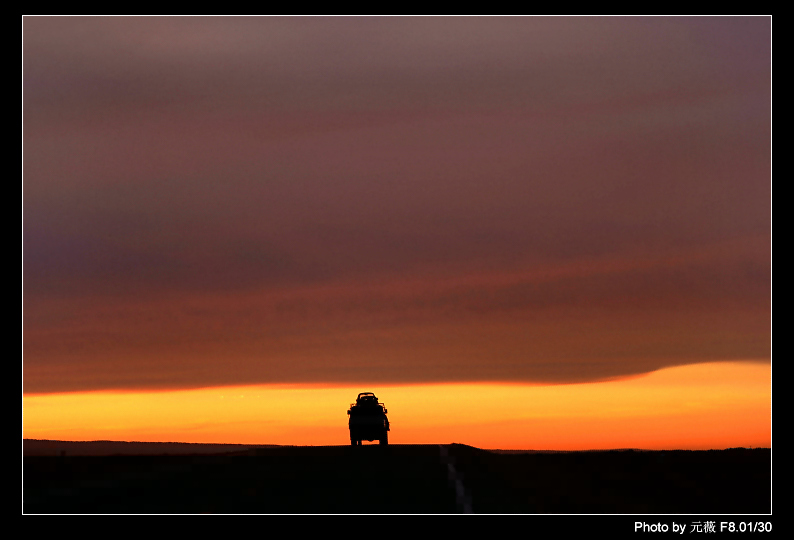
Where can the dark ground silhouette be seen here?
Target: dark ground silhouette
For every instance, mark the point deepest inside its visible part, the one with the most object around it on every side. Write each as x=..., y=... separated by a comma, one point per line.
x=402, y=479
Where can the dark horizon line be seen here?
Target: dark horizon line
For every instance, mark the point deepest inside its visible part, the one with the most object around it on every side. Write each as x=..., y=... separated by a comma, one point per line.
x=499, y=450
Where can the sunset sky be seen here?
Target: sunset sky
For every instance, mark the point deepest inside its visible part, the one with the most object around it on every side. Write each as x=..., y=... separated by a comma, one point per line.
x=520, y=232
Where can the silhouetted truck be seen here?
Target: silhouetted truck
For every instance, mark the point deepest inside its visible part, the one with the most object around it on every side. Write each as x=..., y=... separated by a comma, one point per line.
x=368, y=420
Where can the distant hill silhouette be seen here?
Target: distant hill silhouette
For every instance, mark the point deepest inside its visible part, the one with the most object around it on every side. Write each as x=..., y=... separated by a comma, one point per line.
x=43, y=447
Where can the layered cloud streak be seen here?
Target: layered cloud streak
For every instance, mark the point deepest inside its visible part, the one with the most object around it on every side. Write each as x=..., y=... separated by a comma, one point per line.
x=251, y=200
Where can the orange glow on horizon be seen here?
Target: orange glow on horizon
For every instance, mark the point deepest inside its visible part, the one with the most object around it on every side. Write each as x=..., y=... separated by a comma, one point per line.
x=702, y=406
